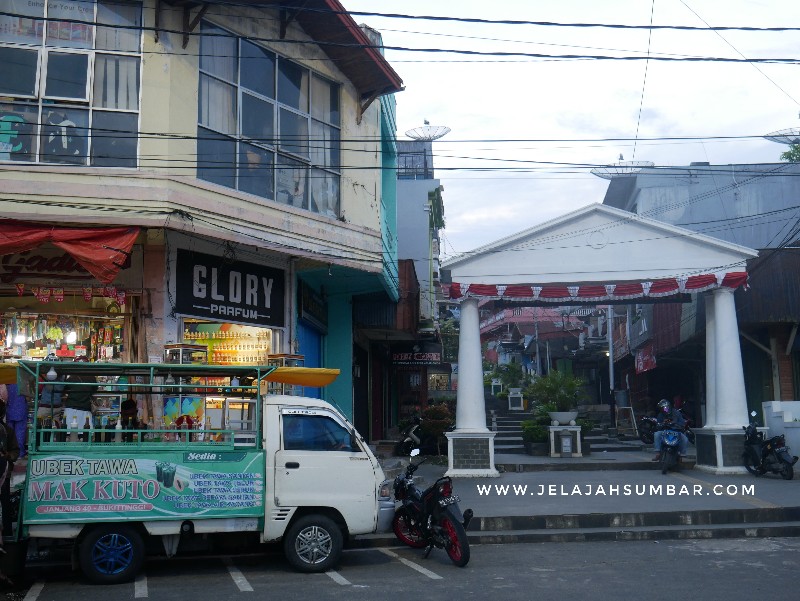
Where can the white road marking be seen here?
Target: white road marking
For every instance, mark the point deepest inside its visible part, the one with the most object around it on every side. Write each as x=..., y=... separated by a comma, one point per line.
x=140, y=587
x=238, y=578
x=337, y=577
x=34, y=591
x=411, y=564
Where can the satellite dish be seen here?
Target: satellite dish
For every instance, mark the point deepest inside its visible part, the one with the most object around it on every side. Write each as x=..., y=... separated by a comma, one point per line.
x=785, y=136
x=621, y=169
x=428, y=132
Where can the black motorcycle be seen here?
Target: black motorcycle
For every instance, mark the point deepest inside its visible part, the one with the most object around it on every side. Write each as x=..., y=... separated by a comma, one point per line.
x=430, y=518
x=648, y=426
x=761, y=456
x=670, y=444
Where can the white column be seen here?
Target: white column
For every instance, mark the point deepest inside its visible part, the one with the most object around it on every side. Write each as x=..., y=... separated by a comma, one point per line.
x=470, y=402
x=731, y=400
x=711, y=365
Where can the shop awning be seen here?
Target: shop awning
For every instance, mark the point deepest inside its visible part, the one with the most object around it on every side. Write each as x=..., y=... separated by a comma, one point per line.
x=101, y=251
x=304, y=376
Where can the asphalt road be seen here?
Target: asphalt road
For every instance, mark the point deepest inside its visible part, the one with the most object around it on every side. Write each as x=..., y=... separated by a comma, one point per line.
x=653, y=571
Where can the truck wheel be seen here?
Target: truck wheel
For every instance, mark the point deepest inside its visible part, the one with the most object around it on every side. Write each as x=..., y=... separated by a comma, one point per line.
x=313, y=544
x=111, y=553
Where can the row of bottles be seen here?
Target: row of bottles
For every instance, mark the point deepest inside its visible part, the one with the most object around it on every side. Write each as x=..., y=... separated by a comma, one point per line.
x=223, y=335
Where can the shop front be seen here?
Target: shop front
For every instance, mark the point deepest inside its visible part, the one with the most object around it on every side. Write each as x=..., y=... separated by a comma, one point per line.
x=417, y=371
x=69, y=300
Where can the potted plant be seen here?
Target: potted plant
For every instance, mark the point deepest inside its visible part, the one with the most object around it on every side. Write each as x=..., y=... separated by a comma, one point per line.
x=535, y=437
x=560, y=390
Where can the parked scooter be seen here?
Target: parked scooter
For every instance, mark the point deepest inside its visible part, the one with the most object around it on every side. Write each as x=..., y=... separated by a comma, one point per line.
x=648, y=425
x=430, y=518
x=670, y=440
x=410, y=438
x=762, y=456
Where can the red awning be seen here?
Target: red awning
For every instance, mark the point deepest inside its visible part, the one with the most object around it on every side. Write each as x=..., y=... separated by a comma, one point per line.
x=565, y=293
x=101, y=251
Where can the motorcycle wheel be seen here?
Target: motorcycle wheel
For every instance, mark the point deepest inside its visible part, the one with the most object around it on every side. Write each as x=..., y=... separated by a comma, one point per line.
x=668, y=460
x=787, y=471
x=407, y=531
x=458, y=546
x=646, y=430
x=750, y=464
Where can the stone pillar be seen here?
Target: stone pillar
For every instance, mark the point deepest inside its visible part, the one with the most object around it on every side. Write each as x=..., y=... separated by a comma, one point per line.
x=471, y=445
x=719, y=446
x=711, y=365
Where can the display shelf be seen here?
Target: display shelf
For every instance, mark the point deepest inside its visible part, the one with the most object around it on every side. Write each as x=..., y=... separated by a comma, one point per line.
x=183, y=354
x=283, y=360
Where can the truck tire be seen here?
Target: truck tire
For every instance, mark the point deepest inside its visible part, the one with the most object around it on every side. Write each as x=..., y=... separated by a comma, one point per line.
x=313, y=544
x=111, y=554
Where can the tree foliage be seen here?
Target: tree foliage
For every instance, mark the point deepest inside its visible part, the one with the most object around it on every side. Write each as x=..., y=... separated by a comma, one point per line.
x=792, y=155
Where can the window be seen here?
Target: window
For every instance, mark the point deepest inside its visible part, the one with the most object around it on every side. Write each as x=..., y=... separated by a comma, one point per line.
x=266, y=125
x=70, y=89
x=315, y=433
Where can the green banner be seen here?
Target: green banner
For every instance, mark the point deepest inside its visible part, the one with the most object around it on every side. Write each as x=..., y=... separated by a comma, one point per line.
x=171, y=485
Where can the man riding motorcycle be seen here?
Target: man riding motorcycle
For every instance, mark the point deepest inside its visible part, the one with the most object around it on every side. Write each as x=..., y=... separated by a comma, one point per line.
x=669, y=416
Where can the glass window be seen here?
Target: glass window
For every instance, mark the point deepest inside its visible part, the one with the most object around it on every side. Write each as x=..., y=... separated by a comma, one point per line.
x=258, y=69
x=116, y=82
x=325, y=193
x=325, y=145
x=294, y=133
x=18, y=125
x=315, y=433
x=216, y=158
x=66, y=75
x=217, y=105
x=65, y=34
x=65, y=134
x=22, y=29
x=19, y=68
x=114, y=139
x=123, y=33
x=291, y=182
x=218, y=52
x=324, y=100
x=255, y=170
x=293, y=85
x=257, y=119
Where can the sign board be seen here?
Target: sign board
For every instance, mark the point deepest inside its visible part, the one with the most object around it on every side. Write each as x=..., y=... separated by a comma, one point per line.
x=107, y=487
x=216, y=288
x=421, y=353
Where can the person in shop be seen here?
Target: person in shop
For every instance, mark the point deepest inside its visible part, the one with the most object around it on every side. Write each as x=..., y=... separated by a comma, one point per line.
x=78, y=399
x=9, y=453
x=129, y=414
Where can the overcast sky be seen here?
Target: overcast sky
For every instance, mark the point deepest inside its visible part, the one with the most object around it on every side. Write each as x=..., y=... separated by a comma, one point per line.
x=513, y=158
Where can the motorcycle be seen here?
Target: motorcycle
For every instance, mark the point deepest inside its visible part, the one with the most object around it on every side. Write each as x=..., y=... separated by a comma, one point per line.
x=409, y=438
x=430, y=518
x=761, y=456
x=670, y=442
x=648, y=426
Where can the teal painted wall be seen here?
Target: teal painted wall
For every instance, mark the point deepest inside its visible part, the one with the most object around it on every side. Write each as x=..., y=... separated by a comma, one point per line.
x=339, y=352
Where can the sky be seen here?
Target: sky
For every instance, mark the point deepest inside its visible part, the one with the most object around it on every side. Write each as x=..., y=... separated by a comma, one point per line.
x=527, y=131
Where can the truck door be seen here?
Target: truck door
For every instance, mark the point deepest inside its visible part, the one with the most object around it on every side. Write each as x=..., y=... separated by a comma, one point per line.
x=320, y=463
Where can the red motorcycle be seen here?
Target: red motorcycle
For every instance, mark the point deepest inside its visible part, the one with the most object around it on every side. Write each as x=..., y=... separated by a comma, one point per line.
x=430, y=518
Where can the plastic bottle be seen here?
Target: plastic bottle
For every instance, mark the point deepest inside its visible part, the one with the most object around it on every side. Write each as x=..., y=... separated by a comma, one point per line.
x=73, y=429
x=118, y=431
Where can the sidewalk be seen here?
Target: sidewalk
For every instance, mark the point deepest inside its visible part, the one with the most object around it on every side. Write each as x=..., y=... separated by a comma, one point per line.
x=618, y=496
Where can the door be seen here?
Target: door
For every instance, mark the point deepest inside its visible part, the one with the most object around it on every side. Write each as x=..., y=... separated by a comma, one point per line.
x=320, y=462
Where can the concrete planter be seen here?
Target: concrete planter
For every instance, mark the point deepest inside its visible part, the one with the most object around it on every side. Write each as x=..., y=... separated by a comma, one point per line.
x=537, y=448
x=563, y=418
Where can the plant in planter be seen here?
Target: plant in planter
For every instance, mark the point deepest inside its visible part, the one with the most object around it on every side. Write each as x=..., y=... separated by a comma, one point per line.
x=535, y=437
x=558, y=389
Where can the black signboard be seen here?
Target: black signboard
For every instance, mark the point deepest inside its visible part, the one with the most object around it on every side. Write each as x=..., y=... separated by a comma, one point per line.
x=420, y=353
x=216, y=288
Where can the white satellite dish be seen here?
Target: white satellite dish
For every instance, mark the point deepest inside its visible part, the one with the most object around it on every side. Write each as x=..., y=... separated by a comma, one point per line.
x=785, y=136
x=428, y=132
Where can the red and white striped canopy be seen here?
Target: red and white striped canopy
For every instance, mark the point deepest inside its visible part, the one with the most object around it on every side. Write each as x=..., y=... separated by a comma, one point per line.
x=565, y=293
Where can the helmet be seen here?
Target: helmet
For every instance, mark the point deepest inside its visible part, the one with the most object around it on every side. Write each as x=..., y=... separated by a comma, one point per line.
x=664, y=405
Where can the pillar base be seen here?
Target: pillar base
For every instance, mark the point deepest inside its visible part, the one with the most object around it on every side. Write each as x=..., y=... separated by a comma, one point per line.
x=471, y=454
x=719, y=450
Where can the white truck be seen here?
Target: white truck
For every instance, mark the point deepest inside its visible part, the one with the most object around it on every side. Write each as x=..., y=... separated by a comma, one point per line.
x=227, y=459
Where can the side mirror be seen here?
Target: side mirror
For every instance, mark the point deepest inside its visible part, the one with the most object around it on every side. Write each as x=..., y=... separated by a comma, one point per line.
x=414, y=452
x=753, y=414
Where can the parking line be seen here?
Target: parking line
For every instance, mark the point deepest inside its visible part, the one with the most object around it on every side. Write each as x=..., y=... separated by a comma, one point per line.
x=411, y=564
x=140, y=586
x=338, y=578
x=238, y=578
x=34, y=591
